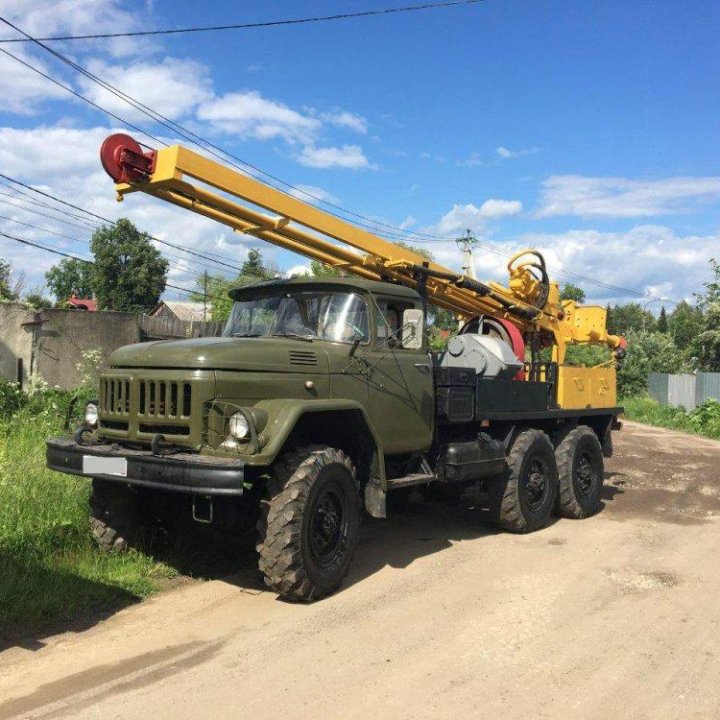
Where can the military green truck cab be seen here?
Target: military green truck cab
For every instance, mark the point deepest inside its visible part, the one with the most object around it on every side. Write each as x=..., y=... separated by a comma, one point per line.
x=320, y=398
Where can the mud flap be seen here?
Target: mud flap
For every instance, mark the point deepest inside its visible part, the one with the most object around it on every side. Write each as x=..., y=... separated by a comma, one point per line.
x=375, y=500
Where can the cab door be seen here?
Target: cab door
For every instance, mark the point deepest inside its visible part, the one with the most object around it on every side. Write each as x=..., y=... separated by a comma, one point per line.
x=400, y=383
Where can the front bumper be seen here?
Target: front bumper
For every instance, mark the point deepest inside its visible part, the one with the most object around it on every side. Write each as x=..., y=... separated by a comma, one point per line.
x=182, y=472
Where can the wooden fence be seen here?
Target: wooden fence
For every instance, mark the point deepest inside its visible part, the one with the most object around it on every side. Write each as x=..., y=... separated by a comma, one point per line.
x=162, y=328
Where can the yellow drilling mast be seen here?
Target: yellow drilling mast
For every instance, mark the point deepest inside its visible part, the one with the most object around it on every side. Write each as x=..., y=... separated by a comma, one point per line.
x=530, y=302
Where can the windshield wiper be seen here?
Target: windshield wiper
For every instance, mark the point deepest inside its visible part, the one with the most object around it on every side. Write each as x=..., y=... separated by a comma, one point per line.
x=294, y=336
x=245, y=335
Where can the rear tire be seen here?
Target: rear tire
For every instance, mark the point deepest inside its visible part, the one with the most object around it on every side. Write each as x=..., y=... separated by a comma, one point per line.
x=115, y=516
x=582, y=473
x=522, y=499
x=309, y=524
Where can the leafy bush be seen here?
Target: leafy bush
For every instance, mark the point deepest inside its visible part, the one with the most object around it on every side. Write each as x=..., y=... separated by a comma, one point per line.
x=646, y=353
x=704, y=420
x=12, y=398
x=89, y=368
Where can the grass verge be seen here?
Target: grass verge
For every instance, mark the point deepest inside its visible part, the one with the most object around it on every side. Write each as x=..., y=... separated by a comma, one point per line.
x=704, y=420
x=50, y=569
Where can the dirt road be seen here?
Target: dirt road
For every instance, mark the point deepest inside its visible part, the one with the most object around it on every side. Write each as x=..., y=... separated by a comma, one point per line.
x=441, y=617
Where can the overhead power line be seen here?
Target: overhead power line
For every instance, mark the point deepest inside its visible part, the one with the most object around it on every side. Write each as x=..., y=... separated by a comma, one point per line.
x=206, y=145
x=113, y=222
x=54, y=251
x=54, y=233
x=390, y=231
x=256, y=25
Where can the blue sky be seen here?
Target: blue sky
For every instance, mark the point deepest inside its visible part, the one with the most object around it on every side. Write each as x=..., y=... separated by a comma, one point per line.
x=589, y=130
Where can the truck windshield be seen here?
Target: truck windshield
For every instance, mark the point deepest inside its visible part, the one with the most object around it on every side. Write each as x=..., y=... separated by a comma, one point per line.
x=323, y=315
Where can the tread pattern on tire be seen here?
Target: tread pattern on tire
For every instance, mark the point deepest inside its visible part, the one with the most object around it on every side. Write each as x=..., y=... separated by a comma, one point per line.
x=567, y=503
x=114, y=517
x=507, y=509
x=280, y=523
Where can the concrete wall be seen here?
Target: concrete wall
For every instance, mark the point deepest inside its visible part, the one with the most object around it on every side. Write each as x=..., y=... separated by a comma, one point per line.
x=16, y=340
x=65, y=334
x=51, y=342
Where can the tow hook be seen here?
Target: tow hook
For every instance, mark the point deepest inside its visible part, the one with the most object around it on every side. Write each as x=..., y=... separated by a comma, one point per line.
x=202, y=509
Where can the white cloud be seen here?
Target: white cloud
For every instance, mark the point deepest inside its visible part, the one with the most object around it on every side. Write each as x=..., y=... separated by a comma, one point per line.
x=493, y=208
x=298, y=270
x=347, y=156
x=313, y=194
x=44, y=18
x=650, y=259
x=507, y=154
x=172, y=87
x=408, y=222
x=23, y=90
x=64, y=162
x=470, y=216
x=345, y=119
x=249, y=115
x=619, y=197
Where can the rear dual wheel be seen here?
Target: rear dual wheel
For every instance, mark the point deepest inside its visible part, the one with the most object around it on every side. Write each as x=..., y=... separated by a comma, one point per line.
x=581, y=470
x=522, y=500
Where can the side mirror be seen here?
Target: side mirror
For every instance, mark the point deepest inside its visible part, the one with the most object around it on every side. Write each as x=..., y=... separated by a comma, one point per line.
x=413, y=329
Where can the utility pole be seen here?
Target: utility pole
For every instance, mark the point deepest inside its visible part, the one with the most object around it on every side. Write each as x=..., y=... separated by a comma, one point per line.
x=205, y=292
x=466, y=243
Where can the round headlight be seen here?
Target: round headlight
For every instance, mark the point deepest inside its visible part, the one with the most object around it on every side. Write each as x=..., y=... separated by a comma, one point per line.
x=239, y=426
x=91, y=414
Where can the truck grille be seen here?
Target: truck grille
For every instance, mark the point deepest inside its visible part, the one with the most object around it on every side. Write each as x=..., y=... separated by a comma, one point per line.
x=115, y=396
x=161, y=399
x=136, y=407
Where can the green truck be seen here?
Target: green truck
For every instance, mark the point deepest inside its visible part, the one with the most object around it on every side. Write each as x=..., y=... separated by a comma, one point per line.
x=320, y=401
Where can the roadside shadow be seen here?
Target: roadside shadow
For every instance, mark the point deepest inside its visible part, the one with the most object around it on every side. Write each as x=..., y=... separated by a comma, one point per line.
x=37, y=602
x=420, y=528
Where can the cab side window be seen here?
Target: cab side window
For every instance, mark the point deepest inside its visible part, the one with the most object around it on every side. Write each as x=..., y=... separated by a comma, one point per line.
x=390, y=318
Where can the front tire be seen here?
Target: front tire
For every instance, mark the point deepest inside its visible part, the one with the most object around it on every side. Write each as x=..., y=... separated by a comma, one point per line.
x=582, y=472
x=115, y=516
x=309, y=525
x=522, y=500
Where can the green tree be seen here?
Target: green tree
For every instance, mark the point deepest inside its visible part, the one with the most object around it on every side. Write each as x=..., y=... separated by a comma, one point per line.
x=572, y=292
x=6, y=291
x=129, y=272
x=707, y=344
x=625, y=319
x=254, y=267
x=646, y=352
x=37, y=302
x=685, y=323
x=662, y=323
x=218, y=286
x=321, y=270
x=70, y=276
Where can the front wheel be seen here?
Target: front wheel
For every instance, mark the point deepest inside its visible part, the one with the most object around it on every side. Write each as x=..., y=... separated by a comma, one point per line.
x=309, y=524
x=116, y=518
x=522, y=500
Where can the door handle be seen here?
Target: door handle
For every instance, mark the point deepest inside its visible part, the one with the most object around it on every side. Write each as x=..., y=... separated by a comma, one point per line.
x=423, y=367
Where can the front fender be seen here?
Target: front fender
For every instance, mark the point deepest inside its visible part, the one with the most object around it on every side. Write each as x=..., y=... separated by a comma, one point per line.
x=284, y=415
